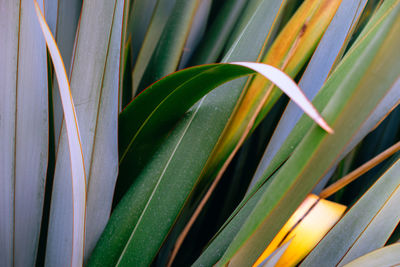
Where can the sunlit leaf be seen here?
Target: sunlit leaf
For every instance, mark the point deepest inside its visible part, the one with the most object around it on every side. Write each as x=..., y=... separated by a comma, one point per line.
x=310, y=160
x=366, y=227
x=304, y=229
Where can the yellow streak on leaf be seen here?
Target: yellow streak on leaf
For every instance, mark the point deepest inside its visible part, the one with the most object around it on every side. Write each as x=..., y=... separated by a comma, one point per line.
x=305, y=228
x=289, y=52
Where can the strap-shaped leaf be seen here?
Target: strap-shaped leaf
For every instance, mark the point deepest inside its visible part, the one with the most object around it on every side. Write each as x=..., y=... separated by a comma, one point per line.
x=94, y=87
x=386, y=256
x=354, y=98
x=322, y=99
x=62, y=16
x=196, y=133
x=23, y=132
x=325, y=57
x=74, y=143
x=162, y=12
x=185, y=87
x=366, y=227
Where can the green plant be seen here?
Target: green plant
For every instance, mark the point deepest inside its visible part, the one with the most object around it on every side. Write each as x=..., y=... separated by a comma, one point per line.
x=177, y=156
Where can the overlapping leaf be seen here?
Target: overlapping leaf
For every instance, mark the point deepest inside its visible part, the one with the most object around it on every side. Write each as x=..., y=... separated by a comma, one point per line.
x=366, y=227
x=309, y=168
x=183, y=154
x=386, y=256
x=122, y=230
x=23, y=132
x=94, y=86
x=74, y=145
x=325, y=57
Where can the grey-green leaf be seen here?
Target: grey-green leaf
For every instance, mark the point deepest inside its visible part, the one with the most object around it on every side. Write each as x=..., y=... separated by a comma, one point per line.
x=384, y=257
x=23, y=132
x=94, y=85
x=62, y=17
x=366, y=227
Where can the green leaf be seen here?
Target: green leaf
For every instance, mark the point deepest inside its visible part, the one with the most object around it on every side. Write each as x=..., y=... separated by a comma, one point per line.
x=197, y=29
x=386, y=256
x=168, y=52
x=355, y=95
x=243, y=49
x=124, y=230
x=216, y=36
x=125, y=63
x=23, y=132
x=196, y=134
x=94, y=85
x=157, y=24
x=222, y=239
x=140, y=15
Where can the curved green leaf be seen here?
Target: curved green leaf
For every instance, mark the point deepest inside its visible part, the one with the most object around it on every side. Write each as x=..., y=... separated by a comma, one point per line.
x=186, y=149
x=118, y=244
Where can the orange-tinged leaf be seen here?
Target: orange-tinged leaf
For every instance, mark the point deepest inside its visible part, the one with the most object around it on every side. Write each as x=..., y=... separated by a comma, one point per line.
x=289, y=52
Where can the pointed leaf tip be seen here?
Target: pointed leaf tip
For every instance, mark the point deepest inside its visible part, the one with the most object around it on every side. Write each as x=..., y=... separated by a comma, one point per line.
x=290, y=88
